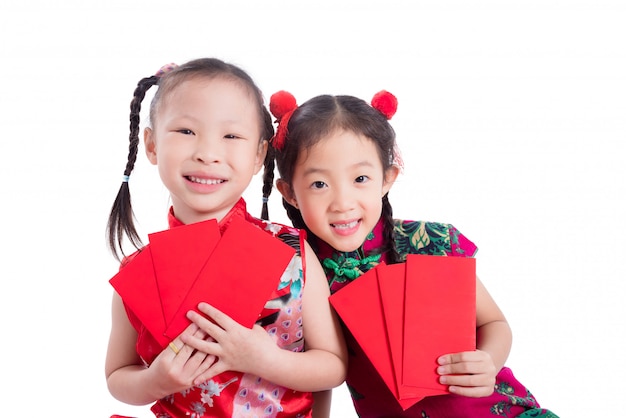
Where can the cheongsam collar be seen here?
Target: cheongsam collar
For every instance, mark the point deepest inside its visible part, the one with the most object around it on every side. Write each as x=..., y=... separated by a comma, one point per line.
x=239, y=210
x=343, y=267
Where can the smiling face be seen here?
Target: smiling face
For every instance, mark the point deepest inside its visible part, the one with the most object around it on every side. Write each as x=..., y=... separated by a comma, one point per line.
x=338, y=185
x=206, y=144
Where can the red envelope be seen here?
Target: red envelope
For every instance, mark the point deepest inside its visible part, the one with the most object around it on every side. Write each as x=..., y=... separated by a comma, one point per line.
x=440, y=315
x=391, y=284
x=178, y=255
x=360, y=307
x=136, y=284
x=236, y=273
x=404, y=316
x=240, y=276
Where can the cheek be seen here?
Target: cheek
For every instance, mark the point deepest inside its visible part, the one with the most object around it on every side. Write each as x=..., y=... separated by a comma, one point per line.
x=311, y=210
x=375, y=205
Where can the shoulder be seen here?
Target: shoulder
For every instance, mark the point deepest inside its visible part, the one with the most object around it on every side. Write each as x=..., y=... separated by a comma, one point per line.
x=287, y=234
x=434, y=238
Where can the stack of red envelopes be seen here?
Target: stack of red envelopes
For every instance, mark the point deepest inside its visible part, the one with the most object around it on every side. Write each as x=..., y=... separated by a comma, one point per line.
x=183, y=266
x=404, y=316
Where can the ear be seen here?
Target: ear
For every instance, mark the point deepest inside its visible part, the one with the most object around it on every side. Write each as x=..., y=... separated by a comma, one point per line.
x=390, y=177
x=150, y=145
x=260, y=156
x=285, y=189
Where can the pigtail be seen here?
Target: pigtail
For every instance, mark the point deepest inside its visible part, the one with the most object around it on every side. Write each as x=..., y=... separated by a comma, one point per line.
x=268, y=181
x=269, y=162
x=388, y=226
x=295, y=216
x=121, y=218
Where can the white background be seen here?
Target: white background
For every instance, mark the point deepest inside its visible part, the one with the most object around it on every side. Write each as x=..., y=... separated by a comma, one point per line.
x=512, y=122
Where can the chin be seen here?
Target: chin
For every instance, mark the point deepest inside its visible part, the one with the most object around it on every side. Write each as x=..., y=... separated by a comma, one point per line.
x=344, y=247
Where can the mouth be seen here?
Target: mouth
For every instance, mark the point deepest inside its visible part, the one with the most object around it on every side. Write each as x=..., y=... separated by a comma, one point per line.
x=346, y=225
x=200, y=180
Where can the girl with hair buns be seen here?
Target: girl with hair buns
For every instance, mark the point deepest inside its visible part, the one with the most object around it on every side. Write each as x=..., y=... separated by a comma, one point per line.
x=337, y=159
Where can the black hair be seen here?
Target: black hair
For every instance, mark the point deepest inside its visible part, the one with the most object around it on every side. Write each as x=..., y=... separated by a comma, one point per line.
x=121, y=219
x=320, y=117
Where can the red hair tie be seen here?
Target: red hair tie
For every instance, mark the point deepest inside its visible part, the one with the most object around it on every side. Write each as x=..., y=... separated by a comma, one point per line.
x=386, y=103
x=282, y=106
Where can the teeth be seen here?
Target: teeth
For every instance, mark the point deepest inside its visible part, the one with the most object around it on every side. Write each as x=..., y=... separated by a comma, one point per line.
x=204, y=181
x=346, y=226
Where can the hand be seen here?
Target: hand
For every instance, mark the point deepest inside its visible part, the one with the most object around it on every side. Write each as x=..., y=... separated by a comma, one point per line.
x=175, y=372
x=470, y=373
x=236, y=347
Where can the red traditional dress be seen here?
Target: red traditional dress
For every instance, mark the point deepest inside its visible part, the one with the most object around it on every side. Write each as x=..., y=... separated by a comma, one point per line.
x=370, y=395
x=234, y=394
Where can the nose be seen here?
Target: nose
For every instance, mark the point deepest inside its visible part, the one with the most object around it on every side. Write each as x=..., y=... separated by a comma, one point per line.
x=207, y=150
x=343, y=199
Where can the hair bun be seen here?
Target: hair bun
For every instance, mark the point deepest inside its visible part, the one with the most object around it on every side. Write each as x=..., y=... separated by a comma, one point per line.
x=386, y=103
x=281, y=103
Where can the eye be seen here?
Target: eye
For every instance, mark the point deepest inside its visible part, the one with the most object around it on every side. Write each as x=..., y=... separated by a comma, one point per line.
x=185, y=131
x=361, y=179
x=318, y=185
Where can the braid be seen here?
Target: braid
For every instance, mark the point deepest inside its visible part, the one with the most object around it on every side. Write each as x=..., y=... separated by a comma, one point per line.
x=121, y=219
x=268, y=180
x=295, y=216
x=269, y=163
x=388, y=238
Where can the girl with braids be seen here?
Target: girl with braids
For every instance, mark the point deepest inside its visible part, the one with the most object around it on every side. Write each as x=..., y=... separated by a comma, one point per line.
x=208, y=135
x=337, y=159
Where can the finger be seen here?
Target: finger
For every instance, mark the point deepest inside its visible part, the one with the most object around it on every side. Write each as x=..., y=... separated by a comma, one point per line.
x=464, y=368
x=201, y=366
x=201, y=334
x=464, y=356
x=205, y=324
x=220, y=318
x=468, y=380
x=201, y=343
x=213, y=370
x=472, y=392
x=191, y=329
x=175, y=346
x=199, y=362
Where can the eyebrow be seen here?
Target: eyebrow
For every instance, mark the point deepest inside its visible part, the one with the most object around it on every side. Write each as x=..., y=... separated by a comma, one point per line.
x=315, y=170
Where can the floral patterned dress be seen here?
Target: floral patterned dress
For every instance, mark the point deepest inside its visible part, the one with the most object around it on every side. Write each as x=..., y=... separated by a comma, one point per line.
x=234, y=394
x=370, y=395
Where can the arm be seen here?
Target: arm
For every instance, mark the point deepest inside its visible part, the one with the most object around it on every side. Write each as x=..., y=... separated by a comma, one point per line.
x=474, y=373
x=321, y=366
x=130, y=381
x=493, y=334
x=321, y=404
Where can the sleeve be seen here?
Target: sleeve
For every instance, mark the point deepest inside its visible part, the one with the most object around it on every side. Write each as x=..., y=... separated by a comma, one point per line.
x=460, y=245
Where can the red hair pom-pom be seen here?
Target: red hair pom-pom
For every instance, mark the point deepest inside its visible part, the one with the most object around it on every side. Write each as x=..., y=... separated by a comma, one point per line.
x=386, y=103
x=282, y=106
x=281, y=103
